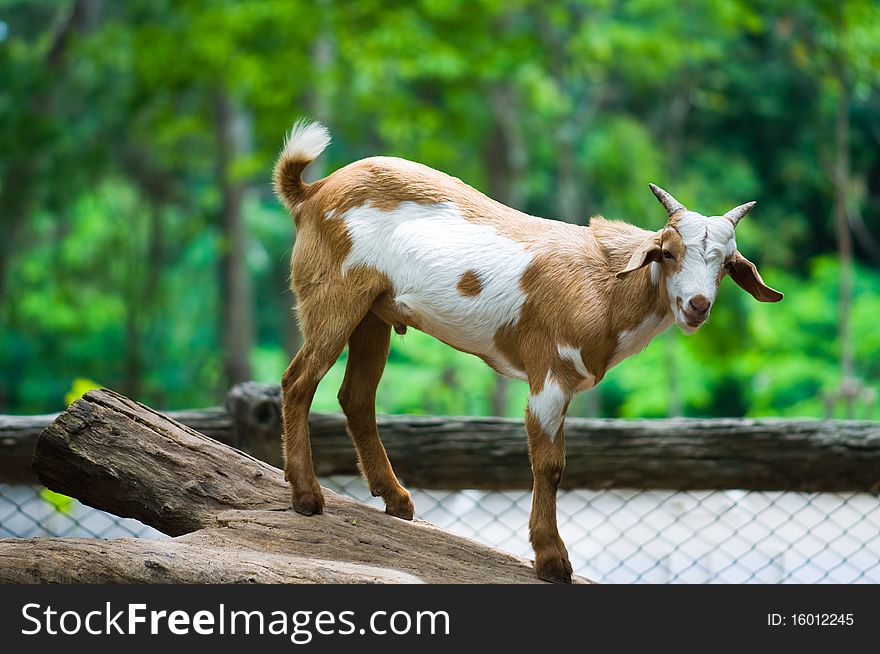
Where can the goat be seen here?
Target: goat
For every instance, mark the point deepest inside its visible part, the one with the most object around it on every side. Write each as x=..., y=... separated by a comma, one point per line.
x=385, y=242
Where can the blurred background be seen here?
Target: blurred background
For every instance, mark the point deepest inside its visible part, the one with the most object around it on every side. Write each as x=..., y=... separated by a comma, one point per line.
x=141, y=247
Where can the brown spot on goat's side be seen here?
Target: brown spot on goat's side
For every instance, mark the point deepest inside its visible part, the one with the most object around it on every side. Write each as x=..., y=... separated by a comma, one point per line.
x=470, y=284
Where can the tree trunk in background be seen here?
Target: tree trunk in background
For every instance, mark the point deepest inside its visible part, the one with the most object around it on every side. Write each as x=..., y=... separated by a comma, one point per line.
x=235, y=287
x=671, y=347
x=572, y=209
x=568, y=187
x=322, y=53
x=320, y=102
x=506, y=157
x=15, y=198
x=848, y=383
x=134, y=354
x=679, y=108
x=143, y=299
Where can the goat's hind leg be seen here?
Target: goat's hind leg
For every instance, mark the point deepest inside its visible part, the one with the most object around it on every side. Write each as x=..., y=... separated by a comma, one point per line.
x=298, y=387
x=323, y=341
x=367, y=354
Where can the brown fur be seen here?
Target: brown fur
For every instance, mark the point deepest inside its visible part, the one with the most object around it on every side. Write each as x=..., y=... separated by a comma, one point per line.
x=469, y=284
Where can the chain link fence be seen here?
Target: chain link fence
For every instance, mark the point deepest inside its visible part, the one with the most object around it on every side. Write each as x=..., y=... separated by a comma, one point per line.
x=613, y=536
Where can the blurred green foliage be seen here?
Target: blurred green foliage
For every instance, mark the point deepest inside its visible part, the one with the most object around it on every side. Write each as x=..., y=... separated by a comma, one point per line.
x=111, y=193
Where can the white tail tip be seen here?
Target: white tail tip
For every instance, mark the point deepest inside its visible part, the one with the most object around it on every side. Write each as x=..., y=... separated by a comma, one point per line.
x=305, y=141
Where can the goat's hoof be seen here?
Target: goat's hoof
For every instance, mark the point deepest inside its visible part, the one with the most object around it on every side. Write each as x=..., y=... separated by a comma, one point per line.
x=401, y=507
x=553, y=567
x=308, y=502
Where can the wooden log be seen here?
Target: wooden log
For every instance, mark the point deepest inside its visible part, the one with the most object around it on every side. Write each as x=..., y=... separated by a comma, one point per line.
x=228, y=510
x=490, y=453
x=119, y=456
x=19, y=434
x=197, y=560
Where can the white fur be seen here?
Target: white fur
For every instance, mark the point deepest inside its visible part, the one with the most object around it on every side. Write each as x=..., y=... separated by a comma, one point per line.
x=306, y=141
x=503, y=367
x=573, y=355
x=707, y=241
x=655, y=272
x=633, y=341
x=548, y=406
x=424, y=250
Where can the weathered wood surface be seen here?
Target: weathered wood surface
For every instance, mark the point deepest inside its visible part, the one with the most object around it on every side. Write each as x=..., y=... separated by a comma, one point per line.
x=19, y=434
x=228, y=511
x=490, y=453
x=189, y=560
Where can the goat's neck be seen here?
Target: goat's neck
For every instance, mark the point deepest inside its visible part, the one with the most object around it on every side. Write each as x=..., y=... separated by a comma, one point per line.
x=642, y=290
x=639, y=306
x=643, y=287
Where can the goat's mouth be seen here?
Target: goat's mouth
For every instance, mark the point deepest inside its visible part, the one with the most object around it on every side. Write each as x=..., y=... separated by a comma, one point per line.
x=687, y=326
x=689, y=321
x=694, y=322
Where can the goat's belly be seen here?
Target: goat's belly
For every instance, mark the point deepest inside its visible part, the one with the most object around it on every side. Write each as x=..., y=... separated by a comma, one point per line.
x=456, y=280
x=464, y=329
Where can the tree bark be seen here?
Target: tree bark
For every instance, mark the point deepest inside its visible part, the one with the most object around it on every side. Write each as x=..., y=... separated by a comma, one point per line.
x=191, y=560
x=236, y=297
x=506, y=157
x=490, y=453
x=229, y=511
x=849, y=386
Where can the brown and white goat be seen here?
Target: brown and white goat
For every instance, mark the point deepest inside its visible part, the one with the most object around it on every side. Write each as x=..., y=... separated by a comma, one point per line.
x=385, y=242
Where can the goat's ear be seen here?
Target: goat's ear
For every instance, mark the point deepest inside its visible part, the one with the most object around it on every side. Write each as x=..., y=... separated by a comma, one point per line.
x=747, y=277
x=647, y=252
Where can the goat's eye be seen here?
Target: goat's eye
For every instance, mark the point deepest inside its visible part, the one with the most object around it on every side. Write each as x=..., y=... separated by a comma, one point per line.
x=668, y=255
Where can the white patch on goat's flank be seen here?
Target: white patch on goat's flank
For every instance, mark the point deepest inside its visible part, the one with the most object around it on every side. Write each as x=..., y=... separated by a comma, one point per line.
x=424, y=250
x=633, y=341
x=548, y=406
x=305, y=141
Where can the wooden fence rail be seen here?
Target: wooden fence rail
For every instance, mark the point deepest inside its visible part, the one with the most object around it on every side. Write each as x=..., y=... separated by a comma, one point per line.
x=490, y=453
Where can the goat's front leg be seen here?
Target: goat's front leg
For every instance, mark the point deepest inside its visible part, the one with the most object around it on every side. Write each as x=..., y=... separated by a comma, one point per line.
x=548, y=403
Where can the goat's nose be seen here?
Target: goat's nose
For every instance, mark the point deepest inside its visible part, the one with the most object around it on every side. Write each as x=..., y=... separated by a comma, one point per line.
x=699, y=304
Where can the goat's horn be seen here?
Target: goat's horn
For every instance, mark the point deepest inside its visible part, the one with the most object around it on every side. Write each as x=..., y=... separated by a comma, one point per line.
x=669, y=203
x=736, y=214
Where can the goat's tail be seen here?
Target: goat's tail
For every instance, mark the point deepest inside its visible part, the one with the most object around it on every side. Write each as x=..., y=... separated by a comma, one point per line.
x=303, y=144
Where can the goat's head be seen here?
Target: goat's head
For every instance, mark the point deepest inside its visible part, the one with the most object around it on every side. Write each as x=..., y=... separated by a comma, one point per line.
x=692, y=254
